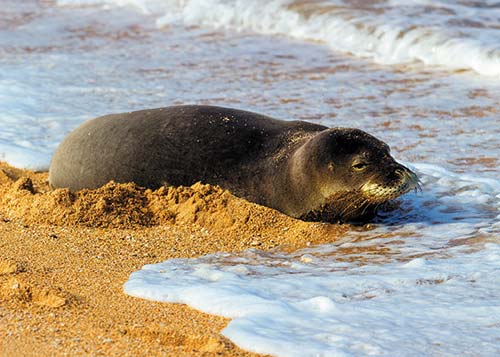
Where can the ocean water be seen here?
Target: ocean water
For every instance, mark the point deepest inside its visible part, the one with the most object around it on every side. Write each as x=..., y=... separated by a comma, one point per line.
x=423, y=281
x=424, y=76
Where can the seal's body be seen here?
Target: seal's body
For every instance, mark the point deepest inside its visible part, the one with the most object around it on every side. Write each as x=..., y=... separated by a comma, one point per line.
x=302, y=169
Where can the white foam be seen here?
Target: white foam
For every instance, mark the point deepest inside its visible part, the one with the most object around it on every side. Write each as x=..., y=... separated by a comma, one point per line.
x=383, y=38
x=434, y=33
x=428, y=296
x=25, y=157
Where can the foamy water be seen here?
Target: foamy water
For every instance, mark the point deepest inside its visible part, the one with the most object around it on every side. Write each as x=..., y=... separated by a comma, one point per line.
x=288, y=306
x=424, y=279
x=456, y=35
x=434, y=291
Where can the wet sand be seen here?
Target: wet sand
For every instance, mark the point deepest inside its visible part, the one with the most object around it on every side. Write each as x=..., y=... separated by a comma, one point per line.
x=65, y=256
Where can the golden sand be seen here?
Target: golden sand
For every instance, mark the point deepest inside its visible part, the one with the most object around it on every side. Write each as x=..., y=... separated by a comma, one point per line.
x=65, y=256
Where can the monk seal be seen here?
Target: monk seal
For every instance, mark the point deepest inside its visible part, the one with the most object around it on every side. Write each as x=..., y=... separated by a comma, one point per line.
x=302, y=169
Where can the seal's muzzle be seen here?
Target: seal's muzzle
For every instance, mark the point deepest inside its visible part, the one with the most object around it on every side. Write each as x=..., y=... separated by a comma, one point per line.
x=406, y=181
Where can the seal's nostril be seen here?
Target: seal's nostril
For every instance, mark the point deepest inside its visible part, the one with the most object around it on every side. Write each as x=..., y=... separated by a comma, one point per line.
x=409, y=179
x=397, y=174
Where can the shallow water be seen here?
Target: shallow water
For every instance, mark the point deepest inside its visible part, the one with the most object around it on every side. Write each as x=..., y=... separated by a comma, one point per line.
x=424, y=280
x=424, y=272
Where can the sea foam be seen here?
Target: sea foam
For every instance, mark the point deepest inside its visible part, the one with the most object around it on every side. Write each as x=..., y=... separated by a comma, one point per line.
x=440, y=33
x=430, y=293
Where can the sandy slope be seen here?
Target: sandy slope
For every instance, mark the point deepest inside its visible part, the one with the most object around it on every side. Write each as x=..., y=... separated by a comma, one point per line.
x=65, y=256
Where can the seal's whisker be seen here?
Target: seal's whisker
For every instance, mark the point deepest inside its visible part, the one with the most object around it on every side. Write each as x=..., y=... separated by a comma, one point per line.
x=359, y=214
x=378, y=205
x=413, y=181
x=370, y=179
x=418, y=185
x=352, y=207
x=342, y=213
x=368, y=205
x=353, y=203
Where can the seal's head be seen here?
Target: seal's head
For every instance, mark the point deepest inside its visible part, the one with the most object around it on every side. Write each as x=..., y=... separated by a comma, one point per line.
x=351, y=173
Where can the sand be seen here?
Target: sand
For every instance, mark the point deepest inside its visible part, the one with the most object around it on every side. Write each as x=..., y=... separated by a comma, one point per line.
x=65, y=256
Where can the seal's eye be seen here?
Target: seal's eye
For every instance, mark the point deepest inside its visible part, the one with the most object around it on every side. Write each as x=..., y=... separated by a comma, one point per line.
x=359, y=166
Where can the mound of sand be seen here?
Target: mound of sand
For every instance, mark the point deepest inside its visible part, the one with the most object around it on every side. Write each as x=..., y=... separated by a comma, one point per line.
x=65, y=256
x=26, y=197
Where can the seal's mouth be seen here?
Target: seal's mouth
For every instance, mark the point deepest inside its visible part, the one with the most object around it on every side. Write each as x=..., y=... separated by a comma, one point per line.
x=379, y=193
x=361, y=205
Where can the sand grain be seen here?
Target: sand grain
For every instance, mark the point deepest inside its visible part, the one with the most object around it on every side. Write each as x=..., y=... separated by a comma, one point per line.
x=65, y=257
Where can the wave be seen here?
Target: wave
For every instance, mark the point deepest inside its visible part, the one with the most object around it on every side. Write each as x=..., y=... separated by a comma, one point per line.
x=390, y=32
x=347, y=298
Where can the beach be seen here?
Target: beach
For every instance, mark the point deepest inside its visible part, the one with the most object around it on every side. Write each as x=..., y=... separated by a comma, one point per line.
x=62, y=282
x=192, y=271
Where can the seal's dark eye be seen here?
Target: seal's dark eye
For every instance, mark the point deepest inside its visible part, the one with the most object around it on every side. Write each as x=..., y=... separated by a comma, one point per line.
x=358, y=166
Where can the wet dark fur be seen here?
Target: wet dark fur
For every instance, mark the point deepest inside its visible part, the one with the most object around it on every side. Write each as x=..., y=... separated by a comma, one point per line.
x=299, y=168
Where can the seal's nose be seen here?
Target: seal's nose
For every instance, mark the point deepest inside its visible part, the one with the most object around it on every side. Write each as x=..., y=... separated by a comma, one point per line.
x=395, y=175
x=396, y=172
x=409, y=180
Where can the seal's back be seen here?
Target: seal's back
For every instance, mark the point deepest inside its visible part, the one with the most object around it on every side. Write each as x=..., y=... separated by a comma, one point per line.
x=177, y=145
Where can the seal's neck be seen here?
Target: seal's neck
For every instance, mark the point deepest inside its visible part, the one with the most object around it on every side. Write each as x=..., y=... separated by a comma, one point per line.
x=293, y=188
